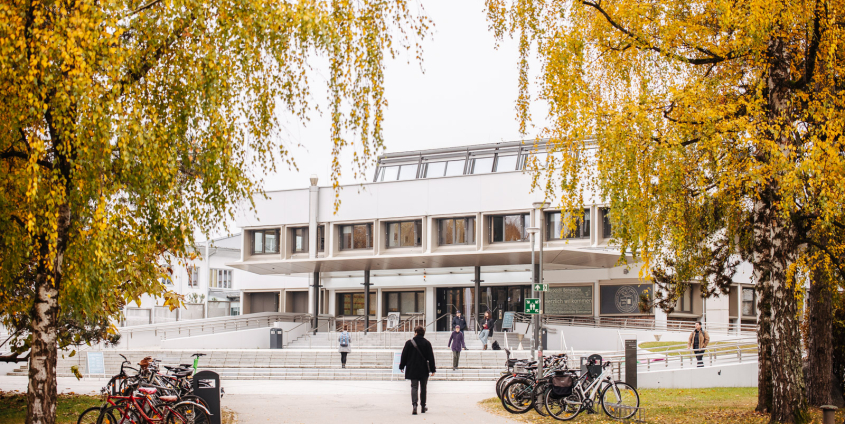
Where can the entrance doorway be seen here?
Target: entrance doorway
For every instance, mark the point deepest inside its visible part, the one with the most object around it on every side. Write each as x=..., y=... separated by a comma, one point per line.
x=496, y=299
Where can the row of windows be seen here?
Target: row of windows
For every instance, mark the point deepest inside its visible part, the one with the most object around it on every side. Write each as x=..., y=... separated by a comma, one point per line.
x=501, y=162
x=403, y=302
x=451, y=231
x=218, y=277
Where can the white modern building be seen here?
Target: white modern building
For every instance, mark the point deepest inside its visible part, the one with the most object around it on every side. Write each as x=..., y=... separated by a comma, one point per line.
x=437, y=231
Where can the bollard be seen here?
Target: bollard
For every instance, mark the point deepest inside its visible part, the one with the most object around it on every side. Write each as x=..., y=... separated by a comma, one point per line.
x=828, y=414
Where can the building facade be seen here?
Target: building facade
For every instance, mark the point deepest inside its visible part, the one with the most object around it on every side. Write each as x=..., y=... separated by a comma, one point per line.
x=438, y=231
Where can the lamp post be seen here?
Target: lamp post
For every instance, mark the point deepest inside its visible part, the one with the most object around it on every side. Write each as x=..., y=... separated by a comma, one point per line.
x=538, y=213
x=535, y=322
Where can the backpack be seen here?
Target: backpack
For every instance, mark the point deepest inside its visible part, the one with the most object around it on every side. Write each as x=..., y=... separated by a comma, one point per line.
x=496, y=345
x=344, y=340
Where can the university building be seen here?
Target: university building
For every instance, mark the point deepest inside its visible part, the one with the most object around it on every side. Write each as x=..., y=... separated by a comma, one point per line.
x=438, y=231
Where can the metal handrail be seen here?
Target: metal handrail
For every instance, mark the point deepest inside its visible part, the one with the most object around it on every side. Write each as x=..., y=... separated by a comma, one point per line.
x=636, y=323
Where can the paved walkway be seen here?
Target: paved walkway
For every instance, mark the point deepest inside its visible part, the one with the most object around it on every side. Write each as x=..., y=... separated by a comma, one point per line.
x=262, y=401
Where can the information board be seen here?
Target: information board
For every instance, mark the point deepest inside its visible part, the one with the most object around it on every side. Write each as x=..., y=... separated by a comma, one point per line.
x=624, y=299
x=392, y=319
x=569, y=300
x=397, y=358
x=507, y=321
x=96, y=364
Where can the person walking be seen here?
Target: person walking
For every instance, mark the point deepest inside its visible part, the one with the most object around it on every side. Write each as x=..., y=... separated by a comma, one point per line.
x=456, y=342
x=417, y=362
x=344, y=342
x=487, y=324
x=698, y=341
x=459, y=320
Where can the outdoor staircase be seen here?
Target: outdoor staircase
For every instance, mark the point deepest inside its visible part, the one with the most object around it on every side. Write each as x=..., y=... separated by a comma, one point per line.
x=300, y=364
x=396, y=340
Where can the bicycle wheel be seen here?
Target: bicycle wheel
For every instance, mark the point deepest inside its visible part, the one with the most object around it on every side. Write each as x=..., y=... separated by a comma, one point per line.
x=620, y=401
x=540, y=399
x=116, y=415
x=561, y=408
x=500, y=384
x=186, y=413
x=90, y=415
x=518, y=396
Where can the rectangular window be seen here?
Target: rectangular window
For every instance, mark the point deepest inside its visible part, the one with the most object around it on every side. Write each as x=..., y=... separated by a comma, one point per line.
x=749, y=309
x=265, y=241
x=509, y=228
x=300, y=240
x=506, y=163
x=221, y=278
x=685, y=302
x=457, y=231
x=321, y=238
x=482, y=165
x=353, y=304
x=193, y=276
x=404, y=234
x=558, y=231
x=405, y=302
x=606, y=225
x=357, y=236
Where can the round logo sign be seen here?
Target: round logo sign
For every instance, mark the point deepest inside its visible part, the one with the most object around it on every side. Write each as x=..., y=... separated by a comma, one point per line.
x=626, y=300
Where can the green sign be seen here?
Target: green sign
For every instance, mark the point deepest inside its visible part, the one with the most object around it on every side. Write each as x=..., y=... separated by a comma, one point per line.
x=532, y=306
x=541, y=287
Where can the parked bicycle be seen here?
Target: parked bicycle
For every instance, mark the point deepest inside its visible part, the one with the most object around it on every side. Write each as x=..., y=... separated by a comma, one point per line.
x=572, y=394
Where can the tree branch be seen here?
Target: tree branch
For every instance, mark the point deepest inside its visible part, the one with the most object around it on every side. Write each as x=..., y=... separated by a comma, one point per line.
x=150, y=60
x=645, y=45
x=21, y=155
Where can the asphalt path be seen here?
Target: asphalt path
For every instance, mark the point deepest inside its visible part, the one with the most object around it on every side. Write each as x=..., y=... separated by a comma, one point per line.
x=304, y=401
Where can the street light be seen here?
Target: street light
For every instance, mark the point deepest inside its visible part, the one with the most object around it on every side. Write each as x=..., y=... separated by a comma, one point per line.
x=535, y=322
x=538, y=213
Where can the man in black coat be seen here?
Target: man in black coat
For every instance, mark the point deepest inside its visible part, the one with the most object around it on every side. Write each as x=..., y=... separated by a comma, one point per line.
x=417, y=363
x=459, y=321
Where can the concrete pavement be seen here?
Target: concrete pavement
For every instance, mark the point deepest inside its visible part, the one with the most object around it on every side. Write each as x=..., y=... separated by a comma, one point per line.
x=267, y=401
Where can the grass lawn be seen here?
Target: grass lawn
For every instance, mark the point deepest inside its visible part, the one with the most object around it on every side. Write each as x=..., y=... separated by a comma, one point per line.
x=721, y=405
x=13, y=407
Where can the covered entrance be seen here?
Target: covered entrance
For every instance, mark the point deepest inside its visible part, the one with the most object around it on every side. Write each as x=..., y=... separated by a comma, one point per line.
x=496, y=299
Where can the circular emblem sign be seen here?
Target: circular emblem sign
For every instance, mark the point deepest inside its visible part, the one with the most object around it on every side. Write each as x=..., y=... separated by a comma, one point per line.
x=626, y=300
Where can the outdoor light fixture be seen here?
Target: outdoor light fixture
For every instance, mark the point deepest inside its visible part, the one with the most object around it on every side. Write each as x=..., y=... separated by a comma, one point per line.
x=314, y=179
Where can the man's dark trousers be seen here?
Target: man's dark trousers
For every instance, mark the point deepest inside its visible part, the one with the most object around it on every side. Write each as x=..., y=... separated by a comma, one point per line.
x=415, y=385
x=699, y=353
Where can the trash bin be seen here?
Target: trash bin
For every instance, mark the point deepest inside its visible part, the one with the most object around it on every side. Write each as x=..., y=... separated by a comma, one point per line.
x=276, y=335
x=207, y=387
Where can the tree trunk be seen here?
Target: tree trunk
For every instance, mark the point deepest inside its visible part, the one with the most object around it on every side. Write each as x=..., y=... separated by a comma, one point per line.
x=41, y=392
x=764, y=345
x=819, y=339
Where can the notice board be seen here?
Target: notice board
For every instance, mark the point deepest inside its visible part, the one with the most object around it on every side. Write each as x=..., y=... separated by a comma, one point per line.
x=569, y=300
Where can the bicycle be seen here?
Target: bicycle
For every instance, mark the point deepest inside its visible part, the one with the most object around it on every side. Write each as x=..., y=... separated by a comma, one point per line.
x=525, y=391
x=143, y=407
x=618, y=399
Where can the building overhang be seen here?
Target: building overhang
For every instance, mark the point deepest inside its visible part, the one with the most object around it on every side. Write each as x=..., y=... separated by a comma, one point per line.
x=553, y=259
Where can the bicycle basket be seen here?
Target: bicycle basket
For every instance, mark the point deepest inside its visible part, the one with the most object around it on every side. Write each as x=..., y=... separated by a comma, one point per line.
x=562, y=385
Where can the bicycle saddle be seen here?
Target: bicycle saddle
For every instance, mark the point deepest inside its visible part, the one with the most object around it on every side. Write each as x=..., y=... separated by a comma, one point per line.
x=169, y=398
x=147, y=390
x=183, y=373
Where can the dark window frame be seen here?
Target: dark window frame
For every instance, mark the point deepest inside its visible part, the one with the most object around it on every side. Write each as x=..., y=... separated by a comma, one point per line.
x=263, y=233
x=321, y=239
x=606, y=224
x=526, y=217
x=419, y=301
x=340, y=303
x=418, y=233
x=369, y=232
x=753, y=302
x=582, y=230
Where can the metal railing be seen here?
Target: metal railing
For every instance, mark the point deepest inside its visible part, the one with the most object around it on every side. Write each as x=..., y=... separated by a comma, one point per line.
x=639, y=324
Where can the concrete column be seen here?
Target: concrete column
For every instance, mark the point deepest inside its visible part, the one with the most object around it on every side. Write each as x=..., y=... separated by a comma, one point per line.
x=477, y=297
x=315, y=290
x=283, y=301
x=596, y=304
x=378, y=309
x=332, y=302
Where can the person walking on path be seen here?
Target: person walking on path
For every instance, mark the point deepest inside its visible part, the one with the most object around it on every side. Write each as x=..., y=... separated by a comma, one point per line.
x=698, y=341
x=456, y=342
x=344, y=341
x=486, y=329
x=417, y=362
x=459, y=321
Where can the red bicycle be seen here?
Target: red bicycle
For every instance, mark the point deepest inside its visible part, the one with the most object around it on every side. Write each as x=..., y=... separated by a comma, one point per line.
x=144, y=407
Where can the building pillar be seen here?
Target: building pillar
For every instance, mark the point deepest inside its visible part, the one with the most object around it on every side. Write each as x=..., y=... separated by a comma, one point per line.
x=596, y=300
x=332, y=302
x=430, y=308
x=313, y=209
x=378, y=309
x=315, y=293
x=477, y=297
x=366, y=300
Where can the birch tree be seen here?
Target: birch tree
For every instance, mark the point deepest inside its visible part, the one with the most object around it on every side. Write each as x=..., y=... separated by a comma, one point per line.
x=127, y=124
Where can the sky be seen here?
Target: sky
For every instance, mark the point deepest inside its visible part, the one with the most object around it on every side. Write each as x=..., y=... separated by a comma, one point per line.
x=466, y=95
